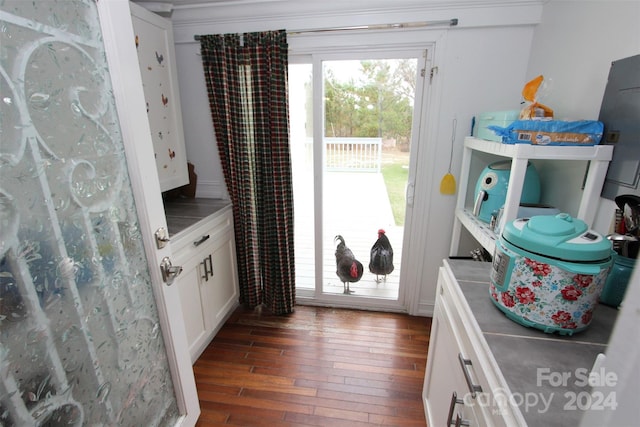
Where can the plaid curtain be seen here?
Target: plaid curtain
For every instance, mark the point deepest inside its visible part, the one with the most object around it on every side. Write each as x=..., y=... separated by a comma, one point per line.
x=246, y=78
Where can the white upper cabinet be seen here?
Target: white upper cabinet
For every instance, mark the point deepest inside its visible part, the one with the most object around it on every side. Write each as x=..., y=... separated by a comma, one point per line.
x=156, y=56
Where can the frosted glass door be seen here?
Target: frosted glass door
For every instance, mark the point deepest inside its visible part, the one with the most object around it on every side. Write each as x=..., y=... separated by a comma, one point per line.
x=80, y=339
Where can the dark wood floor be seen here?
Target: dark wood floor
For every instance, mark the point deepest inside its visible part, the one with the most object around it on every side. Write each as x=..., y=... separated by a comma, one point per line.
x=316, y=367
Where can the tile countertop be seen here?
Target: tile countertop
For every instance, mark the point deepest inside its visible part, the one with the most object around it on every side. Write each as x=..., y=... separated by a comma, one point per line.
x=531, y=360
x=183, y=213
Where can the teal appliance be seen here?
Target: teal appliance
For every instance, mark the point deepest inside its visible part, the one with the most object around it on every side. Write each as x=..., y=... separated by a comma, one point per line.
x=491, y=189
x=548, y=272
x=617, y=281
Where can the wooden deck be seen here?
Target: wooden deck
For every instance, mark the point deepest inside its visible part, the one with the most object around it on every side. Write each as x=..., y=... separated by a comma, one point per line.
x=356, y=205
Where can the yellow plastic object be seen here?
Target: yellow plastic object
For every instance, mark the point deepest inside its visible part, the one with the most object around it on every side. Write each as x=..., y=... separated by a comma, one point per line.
x=448, y=184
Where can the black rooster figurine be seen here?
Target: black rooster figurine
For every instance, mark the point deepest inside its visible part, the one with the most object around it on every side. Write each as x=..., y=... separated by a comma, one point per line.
x=381, y=262
x=348, y=268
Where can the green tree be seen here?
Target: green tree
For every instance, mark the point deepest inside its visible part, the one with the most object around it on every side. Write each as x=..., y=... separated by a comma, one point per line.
x=379, y=103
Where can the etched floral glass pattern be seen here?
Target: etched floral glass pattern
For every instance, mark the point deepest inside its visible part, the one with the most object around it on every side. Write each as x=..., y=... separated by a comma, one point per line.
x=80, y=339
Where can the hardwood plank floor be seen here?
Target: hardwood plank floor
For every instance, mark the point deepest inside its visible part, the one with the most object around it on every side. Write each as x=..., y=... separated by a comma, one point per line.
x=316, y=367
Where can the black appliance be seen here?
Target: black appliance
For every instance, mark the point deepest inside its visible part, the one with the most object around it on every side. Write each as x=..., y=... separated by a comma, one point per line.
x=620, y=113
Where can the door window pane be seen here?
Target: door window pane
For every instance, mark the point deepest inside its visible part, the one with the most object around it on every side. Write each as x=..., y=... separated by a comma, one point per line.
x=301, y=131
x=367, y=129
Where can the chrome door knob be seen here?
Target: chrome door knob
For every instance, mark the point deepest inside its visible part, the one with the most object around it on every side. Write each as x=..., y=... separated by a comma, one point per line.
x=169, y=271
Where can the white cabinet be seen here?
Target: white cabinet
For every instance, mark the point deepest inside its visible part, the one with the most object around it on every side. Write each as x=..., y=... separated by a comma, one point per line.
x=156, y=57
x=474, y=347
x=598, y=156
x=445, y=390
x=463, y=385
x=208, y=285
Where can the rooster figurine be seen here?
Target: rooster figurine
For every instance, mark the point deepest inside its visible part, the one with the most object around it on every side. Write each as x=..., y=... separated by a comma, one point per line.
x=381, y=262
x=348, y=268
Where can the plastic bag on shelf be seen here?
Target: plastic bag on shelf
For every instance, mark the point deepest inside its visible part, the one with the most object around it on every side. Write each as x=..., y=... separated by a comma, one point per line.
x=551, y=132
x=534, y=109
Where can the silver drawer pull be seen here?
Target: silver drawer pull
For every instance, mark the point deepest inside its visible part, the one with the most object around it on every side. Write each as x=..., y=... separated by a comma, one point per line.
x=461, y=421
x=201, y=240
x=208, y=271
x=473, y=388
x=452, y=407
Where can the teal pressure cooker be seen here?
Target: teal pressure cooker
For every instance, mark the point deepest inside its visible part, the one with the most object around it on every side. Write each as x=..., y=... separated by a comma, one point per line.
x=548, y=272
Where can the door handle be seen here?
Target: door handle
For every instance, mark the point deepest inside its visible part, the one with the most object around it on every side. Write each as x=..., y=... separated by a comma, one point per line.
x=169, y=271
x=409, y=193
x=162, y=237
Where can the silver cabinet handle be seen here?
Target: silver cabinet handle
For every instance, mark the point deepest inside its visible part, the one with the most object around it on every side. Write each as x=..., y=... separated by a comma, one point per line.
x=461, y=421
x=210, y=266
x=452, y=407
x=208, y=270
x=473, y=388
x=201, y=240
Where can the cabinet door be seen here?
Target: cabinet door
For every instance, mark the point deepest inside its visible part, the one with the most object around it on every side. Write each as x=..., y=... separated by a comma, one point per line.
x=219, y=284
x=156, y=56
x=445, y=389
x=191, y=301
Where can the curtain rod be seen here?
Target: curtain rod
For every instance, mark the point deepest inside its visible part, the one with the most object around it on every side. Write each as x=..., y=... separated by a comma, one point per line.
x=451, y=22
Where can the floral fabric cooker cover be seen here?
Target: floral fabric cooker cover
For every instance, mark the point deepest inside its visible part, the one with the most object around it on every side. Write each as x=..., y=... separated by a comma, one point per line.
x=548, y=272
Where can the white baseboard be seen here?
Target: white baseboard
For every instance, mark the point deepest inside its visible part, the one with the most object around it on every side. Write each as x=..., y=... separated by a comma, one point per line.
x=211, y=189
x=425, y=309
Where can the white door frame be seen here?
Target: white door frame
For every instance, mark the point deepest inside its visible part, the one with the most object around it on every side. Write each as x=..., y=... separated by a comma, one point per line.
x=118, y=34
x=408, y=288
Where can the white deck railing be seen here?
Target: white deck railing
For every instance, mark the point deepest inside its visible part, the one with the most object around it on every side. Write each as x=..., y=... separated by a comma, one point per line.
x=353, y=154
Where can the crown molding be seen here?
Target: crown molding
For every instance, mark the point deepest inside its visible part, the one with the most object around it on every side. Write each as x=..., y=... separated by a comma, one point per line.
x=295, y=15
x=256, y=10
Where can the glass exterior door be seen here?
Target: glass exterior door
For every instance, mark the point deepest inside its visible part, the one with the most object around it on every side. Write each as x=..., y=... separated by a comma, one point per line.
x=351, y=154
x=81, y=342
x=368, y=114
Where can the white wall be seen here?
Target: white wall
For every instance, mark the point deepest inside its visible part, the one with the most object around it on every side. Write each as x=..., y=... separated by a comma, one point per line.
x=482, y=70
x=573, y=47
x=198, y=126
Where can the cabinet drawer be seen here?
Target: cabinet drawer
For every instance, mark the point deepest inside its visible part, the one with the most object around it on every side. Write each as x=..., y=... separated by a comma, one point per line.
x=189, y=241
